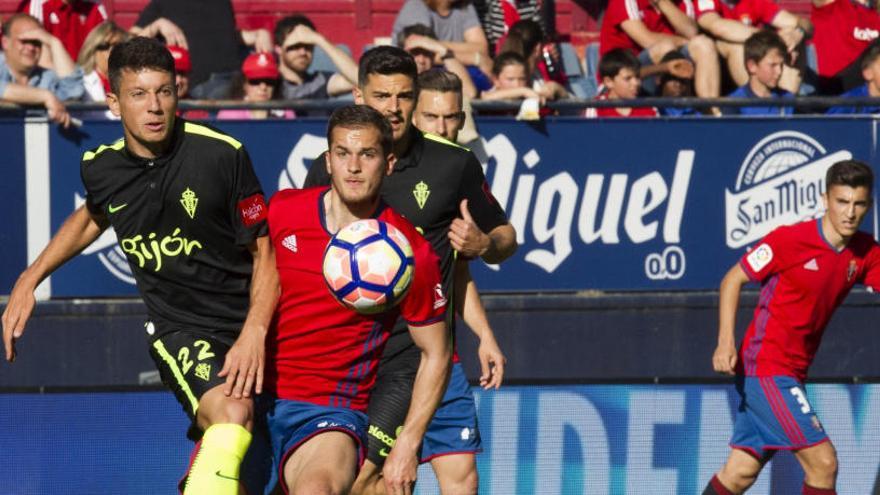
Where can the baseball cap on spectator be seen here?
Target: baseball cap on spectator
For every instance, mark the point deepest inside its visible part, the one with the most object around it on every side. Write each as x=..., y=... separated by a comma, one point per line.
x=182, y=63
x=260, y=66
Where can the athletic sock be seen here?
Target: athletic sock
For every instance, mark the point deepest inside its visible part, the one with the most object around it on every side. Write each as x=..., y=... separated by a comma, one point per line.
x=716, y=488
x=215, y=469
x=811, y=490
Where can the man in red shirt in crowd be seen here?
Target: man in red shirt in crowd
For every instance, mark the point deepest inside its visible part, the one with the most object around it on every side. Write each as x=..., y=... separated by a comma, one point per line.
x=732, y=24
x=653, y=28
x=805, y=270
x=844, y=29
x=68, y=20
x=323, y=357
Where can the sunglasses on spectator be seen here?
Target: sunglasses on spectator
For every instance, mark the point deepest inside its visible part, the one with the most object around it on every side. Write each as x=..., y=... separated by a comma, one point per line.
x=415, y=52
x=299, y=46
x=257, y=82
x=105, y=46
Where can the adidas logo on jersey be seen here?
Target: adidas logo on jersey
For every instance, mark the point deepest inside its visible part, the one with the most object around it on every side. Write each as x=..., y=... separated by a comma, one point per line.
x=290, y=242
x=812, y=265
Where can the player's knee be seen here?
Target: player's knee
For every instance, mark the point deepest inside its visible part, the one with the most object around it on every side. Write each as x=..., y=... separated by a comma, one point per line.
x=661, y=48
x=235, y=411
x=737, y=478
x=318, y=485
x=368, y=483
x=702, y=47
x=824, y=465
x=466, y=484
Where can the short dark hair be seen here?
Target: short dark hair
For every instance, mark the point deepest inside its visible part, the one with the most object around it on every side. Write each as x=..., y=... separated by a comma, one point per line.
x=852, y=173
x=359, y=117
x=871, y=54
x=523, y=37
x=387, y=60
x=758, y=45
x=137, y=54
x=288, y=24
x=616, y=60
x=507, y=58
x=419, y=29
x=440, y=80
x=7, y=25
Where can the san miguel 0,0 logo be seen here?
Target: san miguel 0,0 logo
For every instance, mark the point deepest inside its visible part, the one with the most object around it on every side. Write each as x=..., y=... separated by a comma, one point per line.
x=780, y=182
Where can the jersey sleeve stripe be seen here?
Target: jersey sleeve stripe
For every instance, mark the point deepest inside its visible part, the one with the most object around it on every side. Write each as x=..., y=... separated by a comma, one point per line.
x=207, y=132
x=90, y=155
x=426, y=322
x=442, y=140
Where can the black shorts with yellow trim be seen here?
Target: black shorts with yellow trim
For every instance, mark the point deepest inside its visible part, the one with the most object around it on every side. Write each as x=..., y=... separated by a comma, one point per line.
x=188, y=363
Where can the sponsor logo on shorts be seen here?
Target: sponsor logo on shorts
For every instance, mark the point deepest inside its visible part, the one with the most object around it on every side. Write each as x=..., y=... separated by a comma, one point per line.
x=780, y=182
x=814, y=420
x=333, y=424
x=114, y=208
x=439, y=297
x=467, y=433
x=760, y=257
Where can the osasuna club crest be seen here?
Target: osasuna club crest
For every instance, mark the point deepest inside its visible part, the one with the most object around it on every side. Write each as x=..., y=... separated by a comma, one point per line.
x=780, y=182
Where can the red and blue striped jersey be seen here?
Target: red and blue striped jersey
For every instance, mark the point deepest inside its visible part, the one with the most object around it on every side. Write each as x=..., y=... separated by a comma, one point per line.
x=319, y=351
x=803, y=280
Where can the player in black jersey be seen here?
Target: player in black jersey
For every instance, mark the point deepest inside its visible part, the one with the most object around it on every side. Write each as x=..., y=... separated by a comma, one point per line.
x=435, y=184
x=189, y=213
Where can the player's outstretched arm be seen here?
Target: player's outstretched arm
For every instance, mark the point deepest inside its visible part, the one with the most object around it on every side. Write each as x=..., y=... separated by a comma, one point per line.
x=79, y=230
x=724, y=358
x=467, y=301
x=243, y=367
x=471, y=242
x=400, y=467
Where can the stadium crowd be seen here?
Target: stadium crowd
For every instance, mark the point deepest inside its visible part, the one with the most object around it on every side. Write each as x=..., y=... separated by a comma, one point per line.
x=56, y=51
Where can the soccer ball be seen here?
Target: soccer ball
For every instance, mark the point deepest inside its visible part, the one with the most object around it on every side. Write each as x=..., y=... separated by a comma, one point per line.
x=368, y=266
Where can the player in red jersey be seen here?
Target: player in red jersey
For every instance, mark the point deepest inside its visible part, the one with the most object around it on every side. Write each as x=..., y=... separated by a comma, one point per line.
x=806, y=270
x=322, y=357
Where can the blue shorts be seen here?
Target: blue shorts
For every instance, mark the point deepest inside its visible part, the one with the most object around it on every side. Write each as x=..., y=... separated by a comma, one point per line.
x=454, y=427
x=291, y=423
x=774, y=414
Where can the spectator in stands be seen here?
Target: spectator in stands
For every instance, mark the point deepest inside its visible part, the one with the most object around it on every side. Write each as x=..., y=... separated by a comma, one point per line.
x=843, y=31
x=182, y=68
x=653, y=28
x=511, y=74
x=295, y=40
x=71, y=21
x=23, y=81
x=420, y=41
x=871, y=74
x=619, y=70
x=93, y=57
x=498, y=16
x=259, y=83
x=527, y=38
x=675, y=84
x=765, y=54
x=457, y=27
x=207, y=29
x=731, y=25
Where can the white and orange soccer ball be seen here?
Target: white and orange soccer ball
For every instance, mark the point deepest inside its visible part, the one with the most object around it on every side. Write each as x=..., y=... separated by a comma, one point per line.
x=368, y=266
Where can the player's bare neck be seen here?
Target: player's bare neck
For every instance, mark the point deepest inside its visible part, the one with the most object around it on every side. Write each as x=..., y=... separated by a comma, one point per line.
x=338, y=214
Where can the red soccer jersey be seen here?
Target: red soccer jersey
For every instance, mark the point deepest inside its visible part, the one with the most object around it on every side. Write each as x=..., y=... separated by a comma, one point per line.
x=319, y=351
x=842, y=31
x=613, y=36
x=70, y=22
x=594, y=112
x=803, y=281
x=755, y=13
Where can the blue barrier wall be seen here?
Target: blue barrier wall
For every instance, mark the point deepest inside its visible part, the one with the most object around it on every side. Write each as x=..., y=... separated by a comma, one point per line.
x=610, y=205
x=548, y=440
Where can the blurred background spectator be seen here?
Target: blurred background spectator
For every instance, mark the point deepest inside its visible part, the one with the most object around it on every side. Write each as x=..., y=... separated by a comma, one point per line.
x=619, y=70
x=497, y=17
x=870, y=64
x=765, y=53
x=259, y=83
x=182, y=67
x=421, y=42
x=93, y=58
x=843, y=31
x=71, y=21
x=295, y=40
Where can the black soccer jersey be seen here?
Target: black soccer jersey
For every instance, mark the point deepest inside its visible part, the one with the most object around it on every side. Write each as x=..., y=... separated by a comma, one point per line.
x=427, y=187
x=184, y=221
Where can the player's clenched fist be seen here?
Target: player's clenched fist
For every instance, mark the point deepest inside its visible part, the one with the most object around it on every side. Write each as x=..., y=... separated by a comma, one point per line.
x=724, y=359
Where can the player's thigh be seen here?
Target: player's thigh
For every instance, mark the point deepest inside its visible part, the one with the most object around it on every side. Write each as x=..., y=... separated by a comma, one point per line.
x=188, y=364
x=324, y=462
x=456, y=473
x=369, y=480
x=389, y=403
x=819, y=459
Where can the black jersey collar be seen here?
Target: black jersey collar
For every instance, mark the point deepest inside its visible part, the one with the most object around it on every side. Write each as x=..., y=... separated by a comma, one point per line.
x=176, y=141
x=413, y=153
